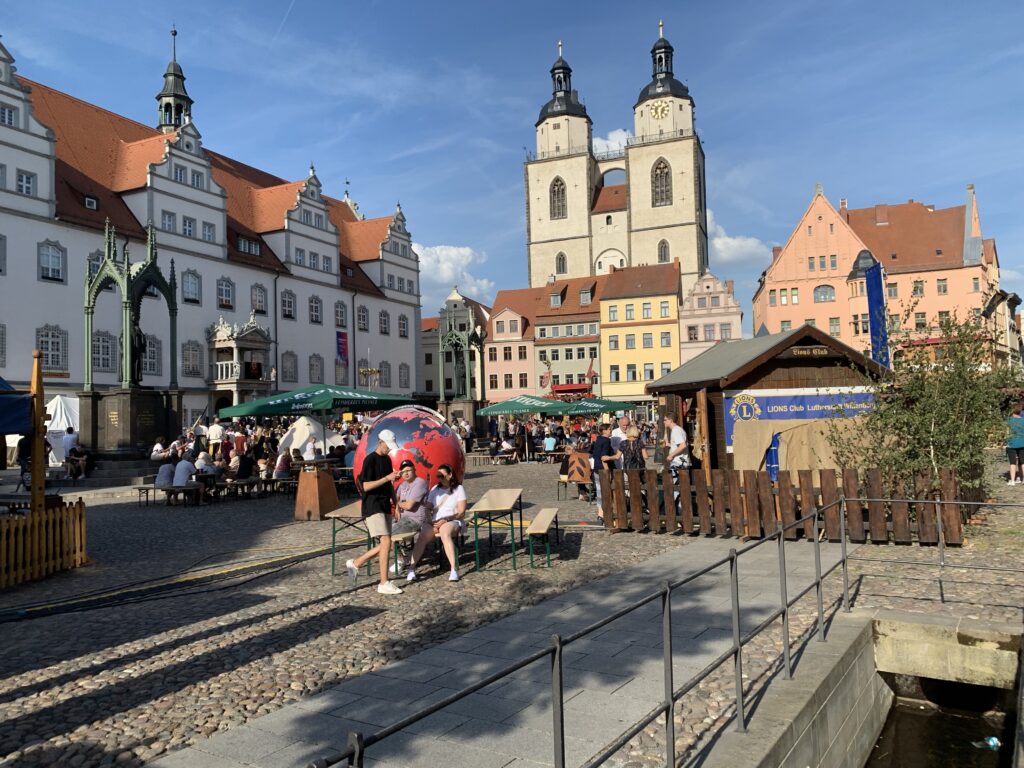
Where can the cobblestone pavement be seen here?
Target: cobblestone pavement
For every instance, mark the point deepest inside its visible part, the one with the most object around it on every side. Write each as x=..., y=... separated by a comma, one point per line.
x=125, y=685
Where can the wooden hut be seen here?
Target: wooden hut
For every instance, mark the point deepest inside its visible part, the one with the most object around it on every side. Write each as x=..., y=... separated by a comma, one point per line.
x=738, y=394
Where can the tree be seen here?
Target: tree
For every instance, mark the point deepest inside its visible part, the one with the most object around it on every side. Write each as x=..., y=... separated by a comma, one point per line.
x=939, y=407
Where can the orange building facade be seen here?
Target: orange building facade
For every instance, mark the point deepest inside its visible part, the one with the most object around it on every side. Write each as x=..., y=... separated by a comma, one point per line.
x=936, y=263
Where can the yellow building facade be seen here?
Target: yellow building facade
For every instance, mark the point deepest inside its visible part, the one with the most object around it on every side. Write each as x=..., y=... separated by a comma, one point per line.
x=639, y=330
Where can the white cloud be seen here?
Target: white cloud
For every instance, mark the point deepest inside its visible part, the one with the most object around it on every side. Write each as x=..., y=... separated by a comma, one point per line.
x=444, y=266
x=616, y=140
x=735, y=249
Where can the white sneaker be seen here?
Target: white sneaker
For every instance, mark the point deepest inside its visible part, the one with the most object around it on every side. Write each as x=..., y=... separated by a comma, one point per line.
x=388, y=588
x=1011, y=482
x=396, y=567
x=453, y=576
x=353, y=573
x=410, y=575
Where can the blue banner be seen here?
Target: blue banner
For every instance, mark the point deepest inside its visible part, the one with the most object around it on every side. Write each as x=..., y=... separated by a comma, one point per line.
x=876, y=315
x=749, y=407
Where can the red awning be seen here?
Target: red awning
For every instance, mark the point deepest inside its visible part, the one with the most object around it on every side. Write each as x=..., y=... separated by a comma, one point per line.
x=570, y=388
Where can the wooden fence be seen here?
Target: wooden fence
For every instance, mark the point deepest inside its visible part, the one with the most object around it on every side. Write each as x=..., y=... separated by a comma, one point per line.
x=748, y=503
x=34, y=546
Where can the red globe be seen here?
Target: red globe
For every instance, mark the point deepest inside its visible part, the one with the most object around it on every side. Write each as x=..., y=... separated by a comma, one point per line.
x=416, y=433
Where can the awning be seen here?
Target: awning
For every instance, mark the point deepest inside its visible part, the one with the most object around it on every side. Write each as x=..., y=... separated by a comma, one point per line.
x=521, y=404
x=570, y=388
x=318, y=398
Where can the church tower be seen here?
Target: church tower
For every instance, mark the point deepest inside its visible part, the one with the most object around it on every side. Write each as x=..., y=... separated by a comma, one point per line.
x=665, y=174
x=174, y=105
x=559, y=185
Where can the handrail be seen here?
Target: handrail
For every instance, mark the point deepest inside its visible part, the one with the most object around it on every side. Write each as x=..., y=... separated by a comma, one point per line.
x=357, y=743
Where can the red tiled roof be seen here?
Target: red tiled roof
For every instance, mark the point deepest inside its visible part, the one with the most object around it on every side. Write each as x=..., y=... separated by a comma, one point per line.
x=358, y=280
x=428, y=324
x=650, y=280
x=610, y=198
x=361, y=240
x=100, y=153
x=920, y=237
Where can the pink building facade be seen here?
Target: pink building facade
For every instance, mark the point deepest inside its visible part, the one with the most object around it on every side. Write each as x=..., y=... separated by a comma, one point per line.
x=709, y=314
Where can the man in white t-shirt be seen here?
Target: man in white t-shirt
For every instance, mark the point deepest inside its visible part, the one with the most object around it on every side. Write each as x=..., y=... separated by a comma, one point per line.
x=678, y=454
x=214, y=435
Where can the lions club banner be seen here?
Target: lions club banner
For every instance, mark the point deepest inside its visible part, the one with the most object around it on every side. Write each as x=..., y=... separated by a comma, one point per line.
x=754, y=406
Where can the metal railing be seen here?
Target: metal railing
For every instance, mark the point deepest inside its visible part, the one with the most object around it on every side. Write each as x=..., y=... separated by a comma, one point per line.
x=357, y=742
x=653, y=138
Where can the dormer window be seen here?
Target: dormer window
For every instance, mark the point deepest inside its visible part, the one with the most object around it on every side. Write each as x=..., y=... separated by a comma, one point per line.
x=556, y=299
x=307, y=216
x=584, y=297
x=318, y=221
x=8, y=115
x=91, y=203
x=245, y=245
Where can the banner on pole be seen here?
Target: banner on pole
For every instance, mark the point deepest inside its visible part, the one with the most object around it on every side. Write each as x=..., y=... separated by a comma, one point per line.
x=341, y=353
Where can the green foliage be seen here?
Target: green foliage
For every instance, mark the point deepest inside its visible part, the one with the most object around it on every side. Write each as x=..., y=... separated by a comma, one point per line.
x=939, y=406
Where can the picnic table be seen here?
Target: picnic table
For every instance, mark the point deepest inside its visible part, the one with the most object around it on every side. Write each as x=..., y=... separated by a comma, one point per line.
x=498, y=506
x=345, y=519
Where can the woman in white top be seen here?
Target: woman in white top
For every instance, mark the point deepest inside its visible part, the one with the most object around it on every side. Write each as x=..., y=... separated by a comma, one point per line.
x=447, y=499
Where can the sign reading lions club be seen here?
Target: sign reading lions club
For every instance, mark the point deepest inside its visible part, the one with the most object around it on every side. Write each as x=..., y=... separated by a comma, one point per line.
x=792, y=404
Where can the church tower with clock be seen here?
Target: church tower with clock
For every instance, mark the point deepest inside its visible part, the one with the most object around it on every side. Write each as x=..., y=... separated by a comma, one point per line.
x=580, y=221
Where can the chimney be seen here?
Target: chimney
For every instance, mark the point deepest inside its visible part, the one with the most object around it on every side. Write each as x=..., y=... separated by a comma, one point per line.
x=930, y=208
x=881, y=214
x=776, y=252
x=910, y=200
x=842, y=204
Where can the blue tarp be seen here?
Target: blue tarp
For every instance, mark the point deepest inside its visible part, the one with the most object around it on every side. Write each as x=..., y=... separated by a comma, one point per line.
x=15, y=414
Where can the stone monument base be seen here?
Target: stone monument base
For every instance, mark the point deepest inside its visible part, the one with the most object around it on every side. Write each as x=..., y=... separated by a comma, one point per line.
x=463, y=409
x=123, y=423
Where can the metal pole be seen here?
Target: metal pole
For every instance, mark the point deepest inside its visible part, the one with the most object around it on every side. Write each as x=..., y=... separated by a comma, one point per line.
x=557, y=704
x=942, y=546
x=666, y=642
x=355, y=742
x=817, y=578
x=784, y=601
x=734, y=579
x=846, y=561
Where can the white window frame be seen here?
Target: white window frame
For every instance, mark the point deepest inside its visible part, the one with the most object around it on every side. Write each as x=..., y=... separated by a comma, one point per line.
x=52, y=343
x=192, y=351
x=26, y=183
x=403, y=375
x=384, y=322
x=188, y=226
x=226, y=298
x=52, y=249
x=363, y=318
x=152, y=361
x=403, y=326
x=316, y=313
x=288, y=307
x=168, y=221
x=185, y=278
x=209, y=232
x=289, y=366
x=340, y=314
x=316, y=369
x=385, y=374
x=258, y=298
x=104, y=362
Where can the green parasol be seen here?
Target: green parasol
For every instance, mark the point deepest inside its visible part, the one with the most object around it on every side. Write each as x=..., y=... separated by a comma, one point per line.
x=521, y=404
x=593, y=406
x=317, y=398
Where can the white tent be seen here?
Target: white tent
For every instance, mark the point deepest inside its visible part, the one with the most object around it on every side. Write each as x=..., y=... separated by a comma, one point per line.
x=299, y=432
x=63, y=412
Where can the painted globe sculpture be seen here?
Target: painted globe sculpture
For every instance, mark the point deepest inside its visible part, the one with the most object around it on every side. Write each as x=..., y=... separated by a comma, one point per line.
x=416, y=433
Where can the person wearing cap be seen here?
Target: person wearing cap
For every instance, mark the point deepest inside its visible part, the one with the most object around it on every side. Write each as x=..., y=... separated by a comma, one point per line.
x=376, y=483
x=415, y=515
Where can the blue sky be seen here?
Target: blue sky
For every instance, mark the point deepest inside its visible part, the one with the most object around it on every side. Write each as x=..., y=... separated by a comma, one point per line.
x=432, y=104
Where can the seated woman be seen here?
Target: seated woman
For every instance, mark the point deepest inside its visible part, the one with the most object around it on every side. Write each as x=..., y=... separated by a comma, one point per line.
x=159, y=452
x=165, y=475
x=283, y=467
x=447, y=499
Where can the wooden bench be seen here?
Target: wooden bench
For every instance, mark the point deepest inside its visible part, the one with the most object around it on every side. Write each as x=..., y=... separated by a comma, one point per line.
x=148, y=487
x=171, y=492
x=541, y=527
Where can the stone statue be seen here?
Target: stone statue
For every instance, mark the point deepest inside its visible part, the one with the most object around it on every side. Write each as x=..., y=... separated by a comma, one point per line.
x=460, y=373
x=138, y=351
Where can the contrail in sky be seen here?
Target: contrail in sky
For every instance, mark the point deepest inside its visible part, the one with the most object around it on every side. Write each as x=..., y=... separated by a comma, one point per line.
x=281, y=25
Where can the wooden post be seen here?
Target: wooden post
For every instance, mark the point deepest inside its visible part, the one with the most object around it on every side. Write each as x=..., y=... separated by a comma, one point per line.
x=668, y=496
x=854, y=511
x=787, y=503
x=927, y=528
x=900, y=515
x=685, y=502
x=719, y=500
x=737, y=523
x=753, y=514
x=830, y=494
x=700, y=490
x=702, y=416
x=653, y=518
x=952, y=528
x=876, y=509
x=636, y=502
x=767, y=501
x=38, y=434
x=808, y=499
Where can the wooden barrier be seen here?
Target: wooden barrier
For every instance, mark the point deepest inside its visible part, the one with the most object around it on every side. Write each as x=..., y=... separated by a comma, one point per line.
x=36, y=545
x=749, y=504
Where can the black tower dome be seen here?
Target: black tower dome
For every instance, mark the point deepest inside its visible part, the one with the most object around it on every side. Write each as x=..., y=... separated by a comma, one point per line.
x=662, y=83
x=174, y=105
x=564, y=100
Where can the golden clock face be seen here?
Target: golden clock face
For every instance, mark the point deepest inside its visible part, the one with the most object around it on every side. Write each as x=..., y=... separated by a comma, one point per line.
x=659, y=109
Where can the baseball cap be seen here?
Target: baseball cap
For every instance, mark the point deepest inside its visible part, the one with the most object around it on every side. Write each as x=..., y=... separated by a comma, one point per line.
x=406, y=465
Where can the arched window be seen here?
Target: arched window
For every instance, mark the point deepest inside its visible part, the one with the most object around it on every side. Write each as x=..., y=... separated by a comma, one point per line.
x=403, y=326
x=560, y=265
x=316, y=313
x=385, y=373
x=52, y=343
x=53, y=262
x=288, y=305
x=192, y=359
x=341, y=372
x=258, y=295
x=363, y=318
x=385, y=322
x=316, y=369
x=558, y=209
x=661, y=183
x=340, y=314
x=403, y=375
x=824, y=293
x=361, y=366
x=151, y=361
x=663, y=253
x=225, y=293
x=289, y=367
x=104, y=352
x=191, y=287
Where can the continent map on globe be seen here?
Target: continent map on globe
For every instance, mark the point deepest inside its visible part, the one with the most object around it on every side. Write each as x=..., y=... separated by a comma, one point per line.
x=416, y=433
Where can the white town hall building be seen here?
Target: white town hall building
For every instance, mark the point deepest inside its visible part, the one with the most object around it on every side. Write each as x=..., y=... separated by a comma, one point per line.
x=278, y=285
